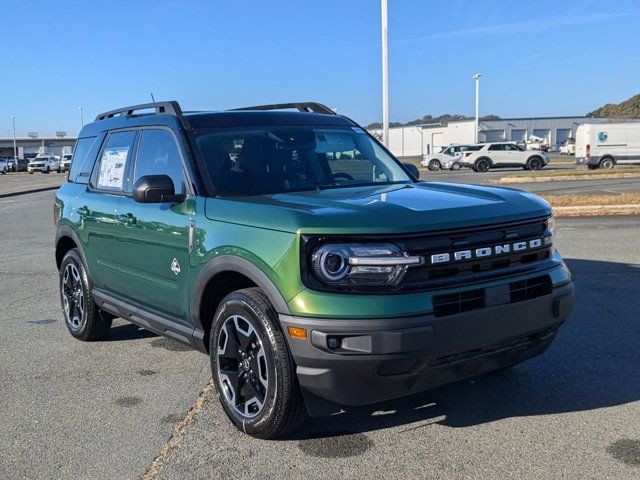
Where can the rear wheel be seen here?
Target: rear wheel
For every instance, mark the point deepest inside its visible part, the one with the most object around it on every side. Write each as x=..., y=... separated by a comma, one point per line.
x=252, y=369
x=482, y=165
x=434, y=165
x=607, y=163
x=84, y=319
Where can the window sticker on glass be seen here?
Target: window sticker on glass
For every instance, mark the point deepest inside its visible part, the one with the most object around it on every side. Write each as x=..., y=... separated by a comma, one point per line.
x=111, y=174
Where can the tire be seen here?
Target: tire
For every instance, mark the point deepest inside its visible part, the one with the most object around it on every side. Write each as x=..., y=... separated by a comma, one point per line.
x=47, y=170
x=482, y=165
x=607, y=163
x=592, y=167
x=83, y=318
x=434, y=165
x=534, y=163
x=247, y=320
x=455, y=166
x=31, y=172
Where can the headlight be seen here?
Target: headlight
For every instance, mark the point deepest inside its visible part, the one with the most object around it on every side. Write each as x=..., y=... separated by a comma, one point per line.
x=551, y=224
x=349, y=264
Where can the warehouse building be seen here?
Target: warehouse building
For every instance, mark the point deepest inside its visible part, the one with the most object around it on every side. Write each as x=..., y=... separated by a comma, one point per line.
x=33, y=144
x=416, y=140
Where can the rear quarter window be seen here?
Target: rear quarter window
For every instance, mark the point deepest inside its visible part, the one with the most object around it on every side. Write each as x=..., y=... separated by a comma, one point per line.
x=84, y=155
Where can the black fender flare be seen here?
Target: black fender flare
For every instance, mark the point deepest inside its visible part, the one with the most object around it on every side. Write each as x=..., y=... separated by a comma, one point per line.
x=67, y=231
x=234, y=263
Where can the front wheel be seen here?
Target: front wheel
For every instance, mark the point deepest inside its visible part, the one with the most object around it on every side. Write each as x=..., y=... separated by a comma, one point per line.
x=482, y=165
x=534, y=163
x=434, y=165
x=455, y=166
x=46, y=170
x=251, y=367
x=84, y=319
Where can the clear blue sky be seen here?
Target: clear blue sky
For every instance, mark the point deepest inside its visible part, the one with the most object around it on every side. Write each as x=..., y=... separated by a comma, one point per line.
x=537, y=57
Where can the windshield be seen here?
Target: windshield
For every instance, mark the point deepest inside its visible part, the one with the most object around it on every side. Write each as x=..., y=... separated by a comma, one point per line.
x=268, y=160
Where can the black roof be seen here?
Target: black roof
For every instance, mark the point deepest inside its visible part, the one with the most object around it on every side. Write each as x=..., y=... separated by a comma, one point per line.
x=255, y=118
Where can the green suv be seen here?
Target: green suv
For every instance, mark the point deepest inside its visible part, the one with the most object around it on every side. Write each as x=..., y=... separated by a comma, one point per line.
x=313, y=268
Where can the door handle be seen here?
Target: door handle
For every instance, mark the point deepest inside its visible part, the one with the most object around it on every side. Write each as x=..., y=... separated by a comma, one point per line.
x=84, y=211
x=127, y=218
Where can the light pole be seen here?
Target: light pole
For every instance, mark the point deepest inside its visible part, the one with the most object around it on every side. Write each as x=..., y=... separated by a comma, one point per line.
x=81, y=116
x=476, y=77
x=385, y=77
x=15, y=149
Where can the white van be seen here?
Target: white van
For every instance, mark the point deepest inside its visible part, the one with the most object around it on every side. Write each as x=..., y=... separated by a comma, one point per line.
x=604, y=145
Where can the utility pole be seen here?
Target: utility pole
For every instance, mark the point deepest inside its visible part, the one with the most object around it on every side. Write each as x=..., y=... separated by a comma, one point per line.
x=15, y=148
x=476, y=77
x=81, y=116
x=385, y=77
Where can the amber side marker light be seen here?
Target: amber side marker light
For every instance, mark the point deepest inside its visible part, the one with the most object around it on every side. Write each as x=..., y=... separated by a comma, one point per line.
x=297, y=332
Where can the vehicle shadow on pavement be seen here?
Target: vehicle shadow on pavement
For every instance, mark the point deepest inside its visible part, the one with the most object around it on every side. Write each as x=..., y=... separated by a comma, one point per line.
x=128, y=331
x=592, y=364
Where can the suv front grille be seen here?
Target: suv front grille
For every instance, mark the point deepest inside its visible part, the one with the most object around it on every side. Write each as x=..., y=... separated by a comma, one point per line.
x=467, y=271
x=454, y=303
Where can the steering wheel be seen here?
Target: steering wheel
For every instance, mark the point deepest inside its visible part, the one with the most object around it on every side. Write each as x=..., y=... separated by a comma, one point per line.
x=335, y=176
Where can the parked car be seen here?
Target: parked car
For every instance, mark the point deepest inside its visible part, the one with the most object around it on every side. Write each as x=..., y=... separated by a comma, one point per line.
x=569, y=147
x=18, y=165
x=44, y=163
x=448, y=158
x=483, y=157
x=4, y=165
x=65, y=162
x=314, y=269
x=605, y=145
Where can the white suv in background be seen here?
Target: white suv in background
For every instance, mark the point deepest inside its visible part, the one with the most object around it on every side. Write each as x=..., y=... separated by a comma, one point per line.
x=485, y=156
x=448, y=158
x=44, y=163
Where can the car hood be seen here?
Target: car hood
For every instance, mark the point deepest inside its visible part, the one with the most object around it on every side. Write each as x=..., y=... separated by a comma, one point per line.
x=417, y=207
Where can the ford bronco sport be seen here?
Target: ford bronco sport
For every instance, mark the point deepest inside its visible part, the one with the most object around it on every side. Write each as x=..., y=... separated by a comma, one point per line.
x=311, y=266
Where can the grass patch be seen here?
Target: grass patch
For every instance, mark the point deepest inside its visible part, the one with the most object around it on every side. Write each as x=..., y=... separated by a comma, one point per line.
x=576, y=171
x=580, y=200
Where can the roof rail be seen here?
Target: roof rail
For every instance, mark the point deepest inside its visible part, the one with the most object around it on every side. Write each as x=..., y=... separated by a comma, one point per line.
x=167, y=108
x=309, y=107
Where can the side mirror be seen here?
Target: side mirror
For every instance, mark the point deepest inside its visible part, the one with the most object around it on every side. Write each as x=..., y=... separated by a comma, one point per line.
x=156, y=189
x=413, y=170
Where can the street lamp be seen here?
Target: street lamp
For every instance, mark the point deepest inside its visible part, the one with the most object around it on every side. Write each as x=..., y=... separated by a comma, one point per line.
x=385, y=77
x=81, y=116
x=476, y=77
x=15, y=149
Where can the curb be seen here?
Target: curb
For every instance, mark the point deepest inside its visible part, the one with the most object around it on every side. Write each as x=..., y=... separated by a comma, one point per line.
x=25, y=192
x=629, y=209
x=560, y=178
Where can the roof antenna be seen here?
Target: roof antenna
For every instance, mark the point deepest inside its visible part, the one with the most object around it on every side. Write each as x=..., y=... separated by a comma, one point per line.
x=153, y=99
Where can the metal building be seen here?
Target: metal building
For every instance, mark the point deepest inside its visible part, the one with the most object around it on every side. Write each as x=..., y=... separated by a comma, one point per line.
x=416, y=140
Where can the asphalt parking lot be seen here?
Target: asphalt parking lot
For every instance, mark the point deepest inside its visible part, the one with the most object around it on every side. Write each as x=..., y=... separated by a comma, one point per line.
x=105, y=409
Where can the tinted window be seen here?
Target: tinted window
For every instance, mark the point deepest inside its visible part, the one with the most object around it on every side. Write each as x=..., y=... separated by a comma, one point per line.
x=113, y=162
x=158, y=155
x=81, y=158
x=474, y=148
x=498, y=147
x=280, y=159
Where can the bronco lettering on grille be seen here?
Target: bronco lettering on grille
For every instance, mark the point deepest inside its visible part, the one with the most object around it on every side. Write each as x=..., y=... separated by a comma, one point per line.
x=487, y=252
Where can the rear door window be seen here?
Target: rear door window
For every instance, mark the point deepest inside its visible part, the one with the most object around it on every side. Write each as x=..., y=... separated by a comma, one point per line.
x=496, y=148
x=111, y=172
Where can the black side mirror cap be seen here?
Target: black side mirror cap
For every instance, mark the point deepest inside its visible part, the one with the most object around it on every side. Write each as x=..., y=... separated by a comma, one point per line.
x=156, y=189
x=413, y=170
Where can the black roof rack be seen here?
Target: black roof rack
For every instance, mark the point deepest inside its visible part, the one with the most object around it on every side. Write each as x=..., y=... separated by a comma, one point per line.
x=167, y=108
x=309, y=107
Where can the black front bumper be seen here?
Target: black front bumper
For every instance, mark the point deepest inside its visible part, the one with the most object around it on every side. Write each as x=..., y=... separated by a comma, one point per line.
x=381, y=359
